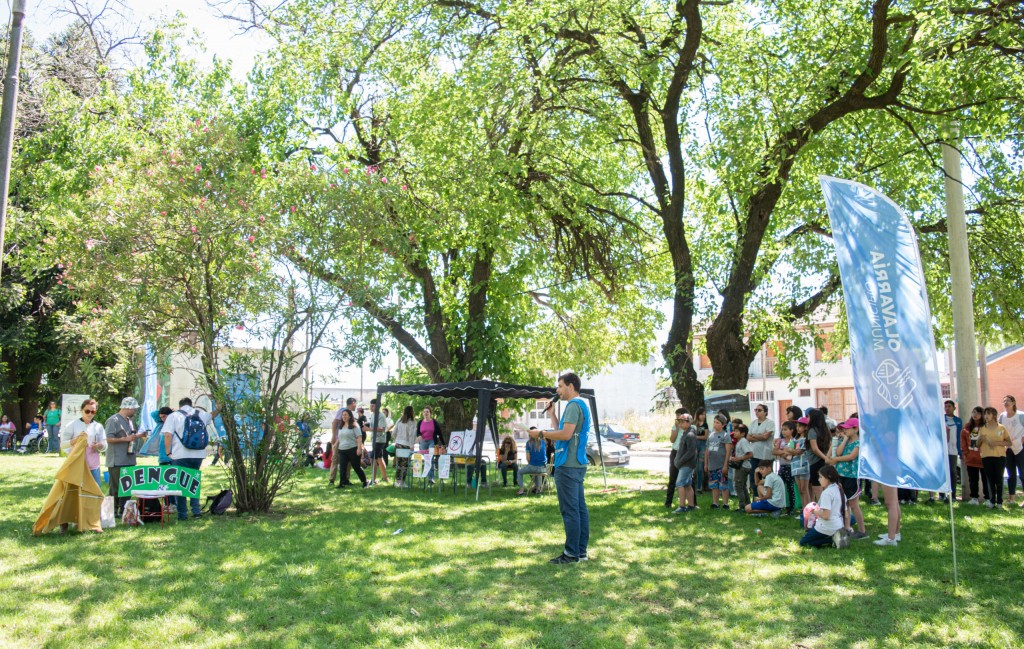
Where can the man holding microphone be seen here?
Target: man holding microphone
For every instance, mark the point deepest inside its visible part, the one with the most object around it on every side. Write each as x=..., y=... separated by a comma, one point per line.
x=570, y=437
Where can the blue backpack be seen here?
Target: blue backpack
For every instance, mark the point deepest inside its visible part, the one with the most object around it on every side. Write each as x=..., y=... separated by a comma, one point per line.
x=194, y=437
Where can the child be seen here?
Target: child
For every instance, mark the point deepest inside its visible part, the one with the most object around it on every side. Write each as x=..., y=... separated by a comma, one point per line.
x=771, y=490
x=845, y=462
x=801, y=466
x=828, y=528
x=741, y=464
x=716, y=458
x=536, y=456
x=34, y=432
x=685, y=461
x=972, y=456
x=314, y=454
x=781, y=453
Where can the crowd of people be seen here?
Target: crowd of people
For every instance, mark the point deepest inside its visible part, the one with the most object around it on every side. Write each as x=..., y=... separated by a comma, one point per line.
x=367, y=443
x=116, y=444
x=364, y=440
x=807, y=468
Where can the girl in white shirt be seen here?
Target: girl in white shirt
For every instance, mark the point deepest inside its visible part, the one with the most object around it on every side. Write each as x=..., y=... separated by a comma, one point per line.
x=828, y=528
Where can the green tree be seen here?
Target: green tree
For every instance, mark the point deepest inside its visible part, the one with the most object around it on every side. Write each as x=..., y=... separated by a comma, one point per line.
x=730, y=110
x=458, y=220
x=50, y=341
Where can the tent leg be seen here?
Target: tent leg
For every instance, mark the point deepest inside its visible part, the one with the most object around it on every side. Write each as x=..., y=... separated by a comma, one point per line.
x=597, y=432
x=483, y=407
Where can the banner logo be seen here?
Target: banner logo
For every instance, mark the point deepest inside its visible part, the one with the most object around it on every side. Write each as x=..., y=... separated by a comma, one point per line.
x=894, y=385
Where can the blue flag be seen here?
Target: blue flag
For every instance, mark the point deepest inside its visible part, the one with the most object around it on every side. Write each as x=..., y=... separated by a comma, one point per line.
x=149, y=380
x=895, y=373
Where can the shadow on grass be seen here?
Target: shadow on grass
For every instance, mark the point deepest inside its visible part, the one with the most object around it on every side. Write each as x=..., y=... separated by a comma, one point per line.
x=328, y=569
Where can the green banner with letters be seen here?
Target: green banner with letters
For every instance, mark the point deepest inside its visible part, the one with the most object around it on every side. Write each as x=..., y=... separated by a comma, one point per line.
x=153, y=478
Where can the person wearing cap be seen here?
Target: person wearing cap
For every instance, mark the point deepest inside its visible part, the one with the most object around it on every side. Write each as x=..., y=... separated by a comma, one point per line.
x=685, y=462
x=121, y=441
x=845, y=462
x=682, y=423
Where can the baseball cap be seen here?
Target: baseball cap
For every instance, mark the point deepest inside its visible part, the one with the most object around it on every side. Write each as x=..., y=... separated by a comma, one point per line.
x=803, y=420
x=852, y=422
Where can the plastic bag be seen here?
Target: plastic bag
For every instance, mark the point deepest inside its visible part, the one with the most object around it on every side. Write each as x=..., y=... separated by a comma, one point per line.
x=130, y=516
x=107, y=518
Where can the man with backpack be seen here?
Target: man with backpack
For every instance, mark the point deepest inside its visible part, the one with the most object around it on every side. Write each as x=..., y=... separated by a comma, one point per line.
x=186, y=437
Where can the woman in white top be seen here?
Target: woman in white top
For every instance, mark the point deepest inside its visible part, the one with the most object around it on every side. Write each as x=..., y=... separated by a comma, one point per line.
x=7, y=429
x=828, y=528
x=405, y=436
x=96, y=437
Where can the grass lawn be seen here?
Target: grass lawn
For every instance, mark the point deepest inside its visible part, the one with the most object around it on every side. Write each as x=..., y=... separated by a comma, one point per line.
x=327, y=570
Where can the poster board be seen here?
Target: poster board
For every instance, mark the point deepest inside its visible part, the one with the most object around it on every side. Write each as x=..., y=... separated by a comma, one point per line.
x=444, y=466
x=417, y=464
x=70, y=410
x=461, y=442
x=455, y=442
x=152, y=478
x=424, y=470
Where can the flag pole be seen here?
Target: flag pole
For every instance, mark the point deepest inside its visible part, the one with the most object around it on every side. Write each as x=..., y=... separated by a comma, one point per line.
x=952, y=534
x=965, y=345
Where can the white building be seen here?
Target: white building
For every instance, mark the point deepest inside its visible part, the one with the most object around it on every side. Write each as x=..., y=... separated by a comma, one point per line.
x=633, y=387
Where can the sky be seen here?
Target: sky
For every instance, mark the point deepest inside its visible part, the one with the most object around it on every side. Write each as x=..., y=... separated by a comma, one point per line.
x=222, y=40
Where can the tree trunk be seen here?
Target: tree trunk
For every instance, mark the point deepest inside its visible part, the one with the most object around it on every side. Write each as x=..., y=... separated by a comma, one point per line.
x=23, y=404
x=730, y=355
x=458, y=414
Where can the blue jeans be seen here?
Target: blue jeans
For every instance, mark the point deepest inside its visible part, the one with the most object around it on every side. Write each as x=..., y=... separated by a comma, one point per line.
x=96, y=474
x=53, y=438
x=816, y=539
x=573, y=506
x=188, y=463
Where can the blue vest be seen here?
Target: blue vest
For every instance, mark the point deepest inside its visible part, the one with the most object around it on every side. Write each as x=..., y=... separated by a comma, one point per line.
x=562, y=446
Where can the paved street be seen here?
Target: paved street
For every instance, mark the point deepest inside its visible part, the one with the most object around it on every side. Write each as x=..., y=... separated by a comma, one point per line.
x=649, y=459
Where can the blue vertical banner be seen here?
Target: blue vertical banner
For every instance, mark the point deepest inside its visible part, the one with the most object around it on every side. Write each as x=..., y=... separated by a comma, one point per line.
x=895, y=372
x=149, y=380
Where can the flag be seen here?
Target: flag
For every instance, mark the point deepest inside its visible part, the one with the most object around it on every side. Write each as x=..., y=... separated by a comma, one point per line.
x=149, y=381
x=895, y=372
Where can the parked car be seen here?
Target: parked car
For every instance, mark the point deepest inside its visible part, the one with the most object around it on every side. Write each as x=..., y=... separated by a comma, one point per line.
x=614, y=454
x=619, y=435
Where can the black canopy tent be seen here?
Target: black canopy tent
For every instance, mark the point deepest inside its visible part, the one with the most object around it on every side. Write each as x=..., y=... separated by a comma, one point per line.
x=485, y=392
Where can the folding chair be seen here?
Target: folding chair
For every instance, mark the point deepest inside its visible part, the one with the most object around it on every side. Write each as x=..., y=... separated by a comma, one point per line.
x=547, y=481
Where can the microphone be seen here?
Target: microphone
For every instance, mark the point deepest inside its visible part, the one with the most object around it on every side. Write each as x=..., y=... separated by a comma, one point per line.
x=552, y=404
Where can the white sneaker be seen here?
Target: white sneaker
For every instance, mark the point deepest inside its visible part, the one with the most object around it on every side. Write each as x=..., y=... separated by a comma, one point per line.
x=972, y=501
x=988, y=503
x=899, y=537
x=886, y=541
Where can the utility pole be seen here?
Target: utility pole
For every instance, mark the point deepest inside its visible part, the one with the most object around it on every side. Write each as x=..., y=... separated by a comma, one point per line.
x=983, y=373
x=7, y=114
x=960, y=276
